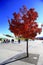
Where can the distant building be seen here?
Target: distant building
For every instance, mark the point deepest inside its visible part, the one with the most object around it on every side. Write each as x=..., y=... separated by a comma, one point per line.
x=39, y=38
x=7, y=38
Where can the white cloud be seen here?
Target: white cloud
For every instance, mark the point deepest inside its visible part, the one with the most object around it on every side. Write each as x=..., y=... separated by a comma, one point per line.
x=40, y=35
x=39, y=25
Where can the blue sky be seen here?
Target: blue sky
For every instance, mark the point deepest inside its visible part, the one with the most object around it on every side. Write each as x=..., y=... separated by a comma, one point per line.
x=7, y=7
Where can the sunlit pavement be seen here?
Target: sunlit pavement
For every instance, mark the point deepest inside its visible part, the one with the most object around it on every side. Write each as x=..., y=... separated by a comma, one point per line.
x=9, y=50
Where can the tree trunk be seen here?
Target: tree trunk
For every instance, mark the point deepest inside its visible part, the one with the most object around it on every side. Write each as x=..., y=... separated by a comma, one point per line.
x=27, y=48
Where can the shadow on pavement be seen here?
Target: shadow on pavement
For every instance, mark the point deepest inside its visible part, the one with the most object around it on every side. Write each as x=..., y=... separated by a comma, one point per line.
x=33, y=59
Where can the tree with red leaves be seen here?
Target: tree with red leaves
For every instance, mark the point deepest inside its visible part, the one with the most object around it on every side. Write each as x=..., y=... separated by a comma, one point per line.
x=23, y=24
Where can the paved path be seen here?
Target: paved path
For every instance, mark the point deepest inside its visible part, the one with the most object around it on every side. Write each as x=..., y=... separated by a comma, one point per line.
x=10, y=50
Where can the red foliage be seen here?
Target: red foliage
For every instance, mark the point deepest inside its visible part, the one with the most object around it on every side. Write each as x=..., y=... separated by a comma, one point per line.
x=28, y=28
